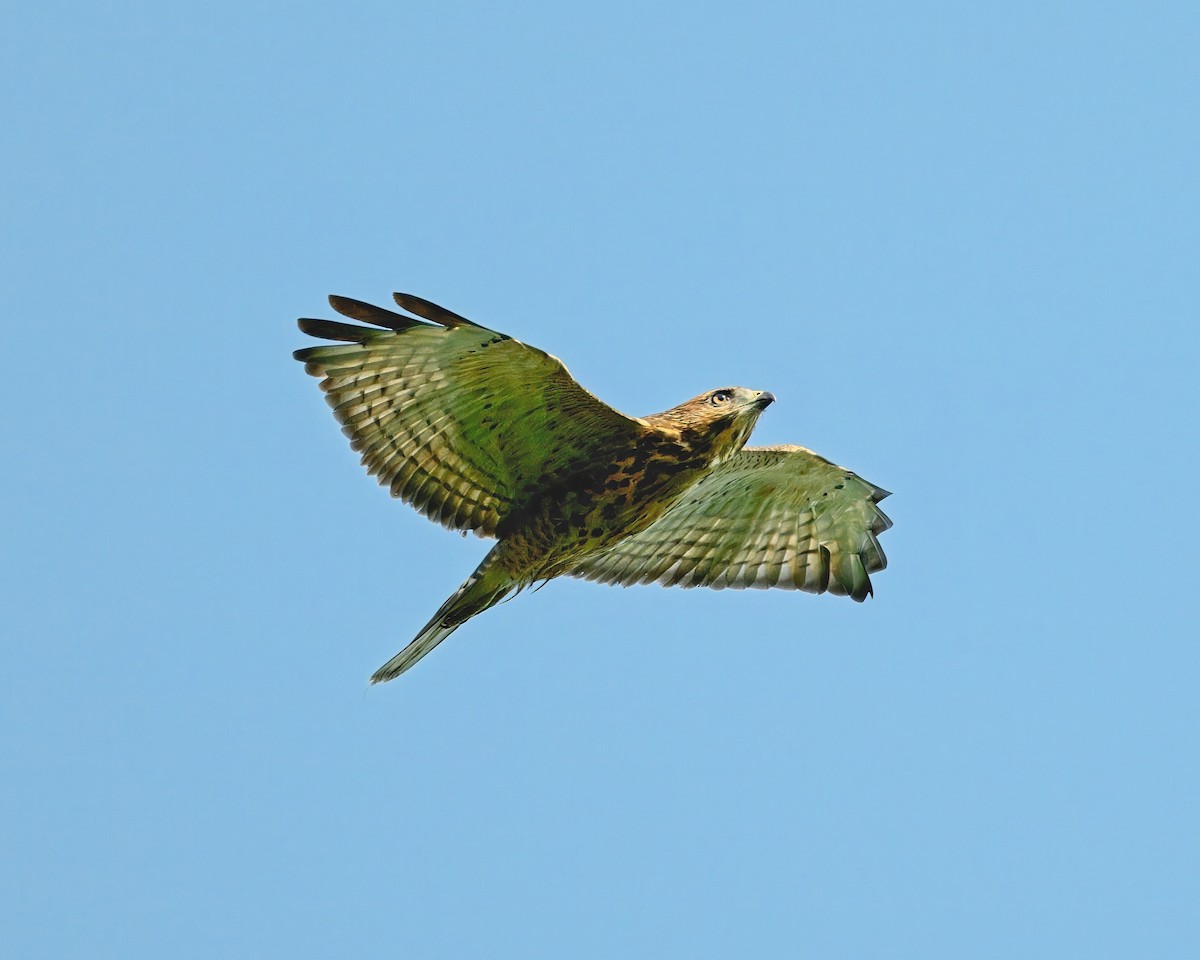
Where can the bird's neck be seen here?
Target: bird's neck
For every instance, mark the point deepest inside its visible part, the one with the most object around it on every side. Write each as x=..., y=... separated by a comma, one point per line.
x=712, y=449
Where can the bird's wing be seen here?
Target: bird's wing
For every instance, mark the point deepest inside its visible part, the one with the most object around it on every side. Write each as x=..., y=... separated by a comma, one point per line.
x=766, y=517
x=458, y=420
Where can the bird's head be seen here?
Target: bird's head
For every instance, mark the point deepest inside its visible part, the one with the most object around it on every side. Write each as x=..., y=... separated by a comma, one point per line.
x=721, y=419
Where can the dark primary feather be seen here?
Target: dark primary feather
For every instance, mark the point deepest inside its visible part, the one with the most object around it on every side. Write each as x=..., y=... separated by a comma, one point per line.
x=331, y=330
x=369, y=313
x=431, y=311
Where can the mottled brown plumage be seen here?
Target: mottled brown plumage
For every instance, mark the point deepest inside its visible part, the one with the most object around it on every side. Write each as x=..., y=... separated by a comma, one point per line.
x=484, y=433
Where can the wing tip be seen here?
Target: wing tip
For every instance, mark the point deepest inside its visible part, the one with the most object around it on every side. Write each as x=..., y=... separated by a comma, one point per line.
x=312, y=360
x=335, y=330
x=428, y=310
x=369, y=313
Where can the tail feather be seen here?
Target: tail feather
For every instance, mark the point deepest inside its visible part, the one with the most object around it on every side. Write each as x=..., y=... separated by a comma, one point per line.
x=483, y=589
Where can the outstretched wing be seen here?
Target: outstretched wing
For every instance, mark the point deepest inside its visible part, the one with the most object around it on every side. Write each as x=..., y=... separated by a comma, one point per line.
x=766, y=517
x=458, y=420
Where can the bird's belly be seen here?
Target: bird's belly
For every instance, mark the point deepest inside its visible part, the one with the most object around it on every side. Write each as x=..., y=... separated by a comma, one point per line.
x=568, y=525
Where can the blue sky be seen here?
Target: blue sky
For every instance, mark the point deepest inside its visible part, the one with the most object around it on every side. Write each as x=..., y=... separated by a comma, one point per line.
x=958, y=242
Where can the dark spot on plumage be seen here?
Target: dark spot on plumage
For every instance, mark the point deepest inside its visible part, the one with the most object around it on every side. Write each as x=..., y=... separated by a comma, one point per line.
x=657, y=470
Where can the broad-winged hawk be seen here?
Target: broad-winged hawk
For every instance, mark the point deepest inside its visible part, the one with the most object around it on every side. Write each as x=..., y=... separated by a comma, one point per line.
x=484, y=433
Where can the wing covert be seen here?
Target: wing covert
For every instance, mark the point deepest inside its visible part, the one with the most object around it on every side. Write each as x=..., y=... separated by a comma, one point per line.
x=767, y=517
x=458, y=420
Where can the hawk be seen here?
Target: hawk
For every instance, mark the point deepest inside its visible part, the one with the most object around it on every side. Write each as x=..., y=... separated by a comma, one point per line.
x=484, y=433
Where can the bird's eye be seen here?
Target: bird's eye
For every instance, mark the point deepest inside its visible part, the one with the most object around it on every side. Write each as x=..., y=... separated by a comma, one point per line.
x=721, y=396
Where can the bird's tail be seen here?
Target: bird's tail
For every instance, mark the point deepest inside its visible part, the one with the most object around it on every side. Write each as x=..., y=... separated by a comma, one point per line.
x=486, y=587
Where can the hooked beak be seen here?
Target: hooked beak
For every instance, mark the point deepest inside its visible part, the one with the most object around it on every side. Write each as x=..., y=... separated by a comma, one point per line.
x=764, y=399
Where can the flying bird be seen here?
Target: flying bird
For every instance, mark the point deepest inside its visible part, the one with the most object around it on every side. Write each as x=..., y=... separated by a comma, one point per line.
x=484, y=433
